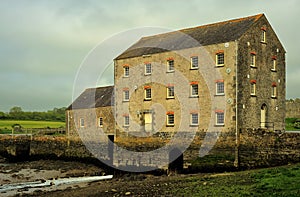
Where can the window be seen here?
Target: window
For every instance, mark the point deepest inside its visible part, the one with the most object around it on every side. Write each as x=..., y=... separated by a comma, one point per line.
x=194, y=62
x=170, y=119
x=126, y=120
x=220, y=87
x=81, y=122
x=147, y=92
x=220, y=58
x=126, y=95
x=253, y=59
x=274, y=90
x=274, y=61
x=253, y=87
x=170, y=92
x=170, y=64
x=194, y=89
x=219, y=117
x=194, y=119
x=126, y=71
x=148, y=69
x=100, y=122
x=263, y=35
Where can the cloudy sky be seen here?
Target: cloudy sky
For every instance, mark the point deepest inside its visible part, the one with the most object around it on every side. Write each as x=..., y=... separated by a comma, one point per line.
x=43, y=43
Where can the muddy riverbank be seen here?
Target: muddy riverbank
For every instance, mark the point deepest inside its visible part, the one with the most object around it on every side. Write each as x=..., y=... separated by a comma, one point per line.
x=42, y=170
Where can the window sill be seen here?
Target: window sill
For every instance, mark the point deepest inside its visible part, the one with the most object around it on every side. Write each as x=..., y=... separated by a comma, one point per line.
x=125, y=101
x=195, y=68
x=253, y=66
x=196, y=96
x=219, y=125
x=263, y=42
x=220, y=65
x=170, y=125
x=126, y=126
x=194, y=125
x=219, y=94
x=147, y=74
x=273, y=70
x=169, y=98
x=125, y=76
x=170, y=71
x=253, y=95
x=274, y=97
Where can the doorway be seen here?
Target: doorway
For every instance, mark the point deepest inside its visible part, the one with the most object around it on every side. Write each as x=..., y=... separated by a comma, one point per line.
x=263, y=116
x=148, y=122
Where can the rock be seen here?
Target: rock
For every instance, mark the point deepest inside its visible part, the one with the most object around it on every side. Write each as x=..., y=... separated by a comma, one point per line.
x=205, y=183
x=113, y=190
x=127, y=193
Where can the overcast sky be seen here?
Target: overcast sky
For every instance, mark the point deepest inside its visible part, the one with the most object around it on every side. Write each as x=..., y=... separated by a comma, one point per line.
x=43, y=43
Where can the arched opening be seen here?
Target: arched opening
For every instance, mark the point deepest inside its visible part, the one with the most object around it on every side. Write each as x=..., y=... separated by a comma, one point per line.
x=175, y=160
x=263, y=116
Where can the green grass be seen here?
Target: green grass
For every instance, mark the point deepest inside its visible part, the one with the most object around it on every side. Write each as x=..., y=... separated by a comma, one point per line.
x=7, y=124
x=289, y=124
x=279, y=181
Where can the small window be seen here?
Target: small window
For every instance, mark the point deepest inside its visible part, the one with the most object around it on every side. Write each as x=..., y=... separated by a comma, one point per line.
x=125, y=95
x=274, y=90
x=148, y=69
x=170, y=92
x=126, y=71
x=194, y=62
x=170, y=64
x=170, y=119
x=253, y=59
x=274, y=63
x=126, y=120
x=100, y=122
x=194, y=119
x=220, y=88
x=220, y=59
x=253, y=87
x=219, y=118
x=81, y=122
x=263, y=35
x=148, y=93
x=194, y=90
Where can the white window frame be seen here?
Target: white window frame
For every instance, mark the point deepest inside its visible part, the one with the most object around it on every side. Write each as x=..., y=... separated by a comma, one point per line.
x=100, y=121
x=81, y=122
x=218, y=83
x=194, y=62
x=126, y=71
x=126, y=96
x=194, y=116
x=253, y=60
x=218, y=59
x=170, y=66
x=220, y=115
x=263, y=36
x=170, y=119
x=126, y=120
x=274, y=61
x=253, y=89
x=194, y=93
x=274, y=92
x=148, y=92
x=170, y=92
x=148, y=69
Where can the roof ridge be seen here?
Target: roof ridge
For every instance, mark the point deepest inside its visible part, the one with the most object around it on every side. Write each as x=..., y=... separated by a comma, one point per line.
x=256, y=17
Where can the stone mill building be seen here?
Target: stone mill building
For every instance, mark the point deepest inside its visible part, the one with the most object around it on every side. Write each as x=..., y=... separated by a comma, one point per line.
x=226, y=76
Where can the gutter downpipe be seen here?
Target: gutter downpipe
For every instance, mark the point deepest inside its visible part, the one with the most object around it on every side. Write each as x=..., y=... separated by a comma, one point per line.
x=237, y=133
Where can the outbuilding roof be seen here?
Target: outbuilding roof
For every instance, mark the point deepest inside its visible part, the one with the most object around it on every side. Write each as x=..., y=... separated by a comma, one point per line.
x=191, y=37
x=94, y=98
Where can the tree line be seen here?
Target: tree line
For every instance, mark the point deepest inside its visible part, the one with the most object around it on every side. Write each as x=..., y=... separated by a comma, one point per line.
x=17, y=113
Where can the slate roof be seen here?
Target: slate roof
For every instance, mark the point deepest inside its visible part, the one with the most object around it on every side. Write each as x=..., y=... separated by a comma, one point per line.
x=94, y=98
x=192, y=37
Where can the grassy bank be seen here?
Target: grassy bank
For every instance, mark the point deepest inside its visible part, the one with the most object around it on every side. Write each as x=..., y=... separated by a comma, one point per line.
x=6, y=125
